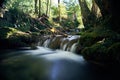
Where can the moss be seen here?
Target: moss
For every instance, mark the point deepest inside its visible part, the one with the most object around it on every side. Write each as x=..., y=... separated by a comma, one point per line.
x=13, y=38
x=5, y=32
x=114, y=52
x=35, y=37
x=19, y=39
x=102, y=47
x=98, y=34
x=89, y=38
x=96, y=52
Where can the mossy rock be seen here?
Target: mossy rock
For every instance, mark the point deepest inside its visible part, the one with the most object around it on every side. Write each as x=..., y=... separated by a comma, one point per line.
x=35, y=37
x=96, y=52
x=98, y=34
x=5, y=32
x=20, y=39
x=88, y=39
x=55, y=42
x=102, y=54
x=13, y=38
x=114, y=52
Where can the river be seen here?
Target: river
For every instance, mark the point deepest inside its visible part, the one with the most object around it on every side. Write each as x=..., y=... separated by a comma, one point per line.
x=47, y=64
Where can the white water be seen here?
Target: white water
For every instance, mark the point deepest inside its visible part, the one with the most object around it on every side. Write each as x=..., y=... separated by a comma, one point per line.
x=71, y=37
x=46, y=43
x=65, y=41
x=64, y=46
x=54, y=54
x=73, y=47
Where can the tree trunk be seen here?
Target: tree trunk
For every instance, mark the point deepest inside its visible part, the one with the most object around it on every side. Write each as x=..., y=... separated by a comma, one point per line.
x=50, y=8
x=109, y=8
x=36, y=10
x=74, y=16
x=39, y=8
x=96, y=10
x=59, y=10
x=87, y=16
x=105, y=7
x=47, y=7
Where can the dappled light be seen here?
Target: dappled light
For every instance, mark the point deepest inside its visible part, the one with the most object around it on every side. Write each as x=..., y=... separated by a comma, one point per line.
x=53, y=30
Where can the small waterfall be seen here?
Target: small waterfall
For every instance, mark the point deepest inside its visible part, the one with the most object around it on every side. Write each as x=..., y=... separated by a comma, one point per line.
x=64, y=47
x=60, y=42
x=73, y=47
x=64, y=42
x=46, y=43
x=39, y=43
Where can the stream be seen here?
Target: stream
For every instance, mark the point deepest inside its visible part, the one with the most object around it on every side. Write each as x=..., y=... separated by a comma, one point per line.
x=47, y=64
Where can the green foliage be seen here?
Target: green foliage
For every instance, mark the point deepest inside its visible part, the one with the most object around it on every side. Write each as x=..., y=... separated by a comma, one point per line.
x=71, y=6
x=21, y=21
x=25, y=5
x=55, y=11
x=65, y=22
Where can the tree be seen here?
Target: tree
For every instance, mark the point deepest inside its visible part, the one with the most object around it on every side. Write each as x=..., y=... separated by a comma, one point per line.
x=50, y=7
x=72, y=8
x=109, y=10
x=59, y=10
x=39, y=8
x=95, y=9
x=36, y=10
x=87, y=16
x=47, y=7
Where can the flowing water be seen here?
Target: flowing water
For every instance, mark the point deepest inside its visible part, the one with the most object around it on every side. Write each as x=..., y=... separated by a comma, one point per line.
x=60, y=42
x=47, y=64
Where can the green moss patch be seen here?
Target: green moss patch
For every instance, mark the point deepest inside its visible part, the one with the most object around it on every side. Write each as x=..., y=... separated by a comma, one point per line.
x=13, y=38
x=100, y=44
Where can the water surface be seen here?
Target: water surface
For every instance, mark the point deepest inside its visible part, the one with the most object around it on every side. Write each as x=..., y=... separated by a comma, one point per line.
x=46, y=64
